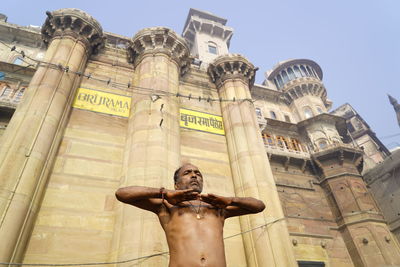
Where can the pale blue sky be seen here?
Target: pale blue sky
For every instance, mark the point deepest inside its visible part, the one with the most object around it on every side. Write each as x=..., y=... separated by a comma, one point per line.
x=356, y=43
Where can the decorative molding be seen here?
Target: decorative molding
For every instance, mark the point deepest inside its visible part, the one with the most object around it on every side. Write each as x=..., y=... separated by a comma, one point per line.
x=151, y=41
x=231, y=66
x=76, y=24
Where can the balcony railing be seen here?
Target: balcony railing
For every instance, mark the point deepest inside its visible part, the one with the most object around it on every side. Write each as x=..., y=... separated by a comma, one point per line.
x=279, y=150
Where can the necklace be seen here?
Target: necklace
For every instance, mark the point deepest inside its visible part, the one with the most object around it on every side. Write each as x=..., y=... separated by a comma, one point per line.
x=198, y=216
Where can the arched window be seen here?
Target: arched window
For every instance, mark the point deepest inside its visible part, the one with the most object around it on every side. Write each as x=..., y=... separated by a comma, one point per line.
x=212, y=48
x=319, y=109
x=272, y=114
x=18, y=61
x=308, y=112
x=276, y=83
x=285, y=77
x=291, y=74
x=303, y=71
x=316, y=74
x=280, y=81
x=297, y=72
x=322, y=144
x=310, y=71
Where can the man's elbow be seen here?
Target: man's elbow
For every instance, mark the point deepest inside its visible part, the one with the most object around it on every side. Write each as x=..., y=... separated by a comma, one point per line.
x=119, y=194
x=260, y=206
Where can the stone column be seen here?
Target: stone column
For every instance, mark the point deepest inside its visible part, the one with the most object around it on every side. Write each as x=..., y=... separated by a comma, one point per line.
x=152, y=152
x=363, y=227
x=251, y=171
x=30, y=142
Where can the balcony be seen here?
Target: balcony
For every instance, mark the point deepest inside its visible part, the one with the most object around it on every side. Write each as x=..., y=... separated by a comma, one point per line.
x=286, y=152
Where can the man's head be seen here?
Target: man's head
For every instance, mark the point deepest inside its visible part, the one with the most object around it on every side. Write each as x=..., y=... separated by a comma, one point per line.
x=188, y=176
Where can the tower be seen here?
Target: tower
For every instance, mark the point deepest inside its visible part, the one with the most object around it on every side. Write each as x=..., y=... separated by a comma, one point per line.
x=207, y=35
x=396, y=107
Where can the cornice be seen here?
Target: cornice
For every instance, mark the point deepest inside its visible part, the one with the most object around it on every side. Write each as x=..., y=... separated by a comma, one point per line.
x=232, y=66
x=151, y=41
x=74, y=23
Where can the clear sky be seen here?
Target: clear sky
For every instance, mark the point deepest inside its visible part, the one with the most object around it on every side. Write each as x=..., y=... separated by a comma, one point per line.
x=355, y=42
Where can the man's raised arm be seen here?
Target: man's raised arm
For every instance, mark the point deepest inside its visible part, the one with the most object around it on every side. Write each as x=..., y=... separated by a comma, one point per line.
x=150, y=199
x=147, y=198
x=234, y=206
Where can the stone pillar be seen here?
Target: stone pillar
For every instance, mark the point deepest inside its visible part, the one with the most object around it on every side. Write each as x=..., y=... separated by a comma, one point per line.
x=251, y=171
x=30, y=142
x=364, y=230
x=152, y=152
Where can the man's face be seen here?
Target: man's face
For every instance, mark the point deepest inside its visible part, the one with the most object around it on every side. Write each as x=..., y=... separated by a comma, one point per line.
x=189, y=178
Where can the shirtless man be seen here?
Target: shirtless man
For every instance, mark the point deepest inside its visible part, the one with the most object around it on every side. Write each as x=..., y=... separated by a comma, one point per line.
x=193, y=222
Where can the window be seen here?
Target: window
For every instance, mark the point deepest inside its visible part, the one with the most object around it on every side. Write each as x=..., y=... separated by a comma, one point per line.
x=291, y=74
x=285, y=77
x=268, y=139
x=212, y=48
x=258, y=112
x=6, y=91
x=280, y=81
x=308, y=112
x=272, y=114
x=322, y=144
x=18, y=61
x=311, y=264
x=281, y=142
x=303, y=71
x=277, y=83
x=309, y=71
x=297, y=71
x=19, y=95
x=320, y=111
x=295, y=144
x=350, y=127
x=287, y=118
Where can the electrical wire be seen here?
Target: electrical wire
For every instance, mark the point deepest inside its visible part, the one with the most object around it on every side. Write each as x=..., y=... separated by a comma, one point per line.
x=129, y=260
x=125, y=86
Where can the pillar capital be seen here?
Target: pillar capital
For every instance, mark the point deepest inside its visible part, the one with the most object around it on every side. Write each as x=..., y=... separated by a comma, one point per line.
x=151, y=41
x=74, y=23
x=231, y=66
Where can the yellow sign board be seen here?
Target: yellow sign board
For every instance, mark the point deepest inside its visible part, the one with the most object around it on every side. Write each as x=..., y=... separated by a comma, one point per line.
x=200, y=121
x=102, y=102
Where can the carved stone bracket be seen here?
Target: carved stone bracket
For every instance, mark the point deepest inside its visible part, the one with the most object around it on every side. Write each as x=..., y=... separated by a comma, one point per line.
x=232, y=66
x=75, y=23
x=160, y=40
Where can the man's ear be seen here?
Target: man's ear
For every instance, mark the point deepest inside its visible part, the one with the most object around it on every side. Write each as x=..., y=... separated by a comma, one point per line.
x=176, y=186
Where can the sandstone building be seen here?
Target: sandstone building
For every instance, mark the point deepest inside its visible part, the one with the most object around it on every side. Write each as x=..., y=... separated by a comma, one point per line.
x=85, y=112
